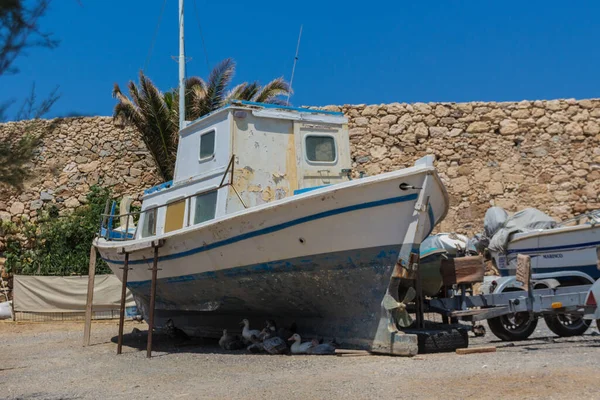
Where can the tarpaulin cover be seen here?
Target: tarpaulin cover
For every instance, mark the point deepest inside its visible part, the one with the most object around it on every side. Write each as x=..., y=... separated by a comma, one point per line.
x=495, y=217
x=451, y=242
x=66, y=293
x=526, y=220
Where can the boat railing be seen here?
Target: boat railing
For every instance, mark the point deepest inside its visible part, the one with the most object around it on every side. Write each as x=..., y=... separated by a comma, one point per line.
x=124, y=233
x=591, y=218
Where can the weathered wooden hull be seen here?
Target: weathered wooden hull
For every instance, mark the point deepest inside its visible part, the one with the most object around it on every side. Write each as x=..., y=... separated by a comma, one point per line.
x=323, y=259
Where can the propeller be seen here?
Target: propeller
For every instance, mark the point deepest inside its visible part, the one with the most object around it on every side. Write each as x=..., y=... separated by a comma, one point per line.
x=398, y=309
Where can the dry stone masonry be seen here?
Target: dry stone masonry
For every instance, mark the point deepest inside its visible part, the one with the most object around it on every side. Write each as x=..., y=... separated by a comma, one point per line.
x=542, y=154
x=75, y=154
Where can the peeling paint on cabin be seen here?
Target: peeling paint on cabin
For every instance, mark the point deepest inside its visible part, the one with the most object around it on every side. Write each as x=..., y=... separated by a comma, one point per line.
x=268, y=194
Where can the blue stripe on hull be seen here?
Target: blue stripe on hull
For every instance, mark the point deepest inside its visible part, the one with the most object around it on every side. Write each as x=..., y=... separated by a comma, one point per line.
x=554, y=248
x=274, y=228
x=591, y=270
x=344, y=260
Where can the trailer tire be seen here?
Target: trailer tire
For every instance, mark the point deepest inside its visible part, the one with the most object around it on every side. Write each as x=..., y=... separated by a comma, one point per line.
x=443, y=340
x=564, y=326
x=507, y=330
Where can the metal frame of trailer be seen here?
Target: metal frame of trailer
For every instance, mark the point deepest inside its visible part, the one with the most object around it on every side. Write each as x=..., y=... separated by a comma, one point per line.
x=559, y=300
x=509, y=297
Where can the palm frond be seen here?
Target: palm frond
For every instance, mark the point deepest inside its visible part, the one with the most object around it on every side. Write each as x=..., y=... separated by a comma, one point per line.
x=244, y=91
x=195, y=98
x=272, y=90
x=150, y=111
x=218, y=80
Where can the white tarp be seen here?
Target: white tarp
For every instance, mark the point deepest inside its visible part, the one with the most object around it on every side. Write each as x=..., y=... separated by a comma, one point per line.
x=526, y=220
x=66, y=293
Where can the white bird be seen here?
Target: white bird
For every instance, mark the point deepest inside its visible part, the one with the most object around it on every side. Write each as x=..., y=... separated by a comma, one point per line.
x=298, y=347
x=247, y=332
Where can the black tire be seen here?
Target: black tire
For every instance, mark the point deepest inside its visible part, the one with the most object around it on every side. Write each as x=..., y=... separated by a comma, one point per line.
x=564, y=325
x=512, y=328
x=443, y=341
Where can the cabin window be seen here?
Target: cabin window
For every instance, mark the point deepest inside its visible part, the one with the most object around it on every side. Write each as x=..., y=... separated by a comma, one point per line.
x=149, y=226
x=174, y=215
x=206, y=207
x=320, y=148
x=207, y=145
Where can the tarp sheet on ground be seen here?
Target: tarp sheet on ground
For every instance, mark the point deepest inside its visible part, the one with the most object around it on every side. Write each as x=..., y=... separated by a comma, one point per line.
x=47, y=294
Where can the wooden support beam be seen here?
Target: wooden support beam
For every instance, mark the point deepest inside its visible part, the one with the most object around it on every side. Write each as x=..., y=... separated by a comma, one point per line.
x=473, y=350
x=122, y=309
x=523, y=273
x=152, y=300
x=90, y=297
x=462, y=270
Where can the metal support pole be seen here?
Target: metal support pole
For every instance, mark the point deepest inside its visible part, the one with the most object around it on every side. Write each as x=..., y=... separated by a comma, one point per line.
x=122, y=310
x=152, y=299
x=419, y=300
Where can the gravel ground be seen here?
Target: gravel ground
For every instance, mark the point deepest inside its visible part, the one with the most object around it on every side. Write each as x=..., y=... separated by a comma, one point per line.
x=47, y=361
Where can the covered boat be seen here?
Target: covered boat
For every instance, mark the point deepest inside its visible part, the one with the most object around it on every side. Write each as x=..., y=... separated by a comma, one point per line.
x=569, y=245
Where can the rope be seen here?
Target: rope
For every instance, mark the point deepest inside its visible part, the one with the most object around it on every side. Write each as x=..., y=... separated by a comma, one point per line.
x=201, y=36
x=162, y=10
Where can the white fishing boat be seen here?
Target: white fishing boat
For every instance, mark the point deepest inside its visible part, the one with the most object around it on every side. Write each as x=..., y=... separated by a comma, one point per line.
x=566, y=246
x=262, y=220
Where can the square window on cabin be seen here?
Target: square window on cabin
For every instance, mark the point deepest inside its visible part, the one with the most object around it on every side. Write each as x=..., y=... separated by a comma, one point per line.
x=320, y=148
x=206, y=207
x=207, y=145
x=149, y=227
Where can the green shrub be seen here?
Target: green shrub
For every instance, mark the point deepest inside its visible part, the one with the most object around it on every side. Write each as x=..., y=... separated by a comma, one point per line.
x=56, y=245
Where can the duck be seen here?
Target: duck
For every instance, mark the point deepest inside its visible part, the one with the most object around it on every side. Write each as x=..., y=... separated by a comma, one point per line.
x=226, y=338
x=247, y=333
x=275, y=345
x=174, y=332
x=269, y=331
x=256, y=346
x=298, y=347
x=321, y=349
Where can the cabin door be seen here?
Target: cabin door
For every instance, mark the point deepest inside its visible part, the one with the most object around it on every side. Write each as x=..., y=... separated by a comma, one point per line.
x=323, y=154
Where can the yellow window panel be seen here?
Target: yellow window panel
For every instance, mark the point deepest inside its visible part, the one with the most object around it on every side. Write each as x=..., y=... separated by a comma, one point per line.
x=174, y=217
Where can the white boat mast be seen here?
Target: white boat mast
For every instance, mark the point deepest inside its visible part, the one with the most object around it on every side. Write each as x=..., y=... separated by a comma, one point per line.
x=181, y=69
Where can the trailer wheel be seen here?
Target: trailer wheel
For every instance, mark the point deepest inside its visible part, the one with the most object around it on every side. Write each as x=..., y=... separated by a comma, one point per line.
x=512, y=327
x=565, y=325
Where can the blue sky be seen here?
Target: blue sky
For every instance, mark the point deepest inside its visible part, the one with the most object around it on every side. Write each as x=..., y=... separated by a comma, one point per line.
x=351, y=51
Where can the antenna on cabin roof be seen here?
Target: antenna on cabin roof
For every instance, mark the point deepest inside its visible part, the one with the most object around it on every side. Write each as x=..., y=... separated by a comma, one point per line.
x=294, y=67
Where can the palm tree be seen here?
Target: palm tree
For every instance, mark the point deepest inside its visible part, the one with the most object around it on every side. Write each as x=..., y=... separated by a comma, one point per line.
x=152, y=114
x=155, y=114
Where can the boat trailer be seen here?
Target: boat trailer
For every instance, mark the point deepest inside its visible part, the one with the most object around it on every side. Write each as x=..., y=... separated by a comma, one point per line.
x=514, y=303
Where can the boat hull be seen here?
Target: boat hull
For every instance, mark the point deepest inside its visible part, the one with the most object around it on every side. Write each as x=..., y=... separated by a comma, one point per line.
x=552, y=250
x=323, y=259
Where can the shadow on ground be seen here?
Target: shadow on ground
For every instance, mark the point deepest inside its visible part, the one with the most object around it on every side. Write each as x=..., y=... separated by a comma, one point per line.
x=162, y=342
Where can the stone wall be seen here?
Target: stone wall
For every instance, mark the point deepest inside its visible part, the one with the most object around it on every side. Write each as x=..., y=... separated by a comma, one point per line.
x=542, y=154
x=75, y=154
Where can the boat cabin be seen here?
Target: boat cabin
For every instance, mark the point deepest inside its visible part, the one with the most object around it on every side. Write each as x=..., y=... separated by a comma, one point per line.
x=244, y=155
